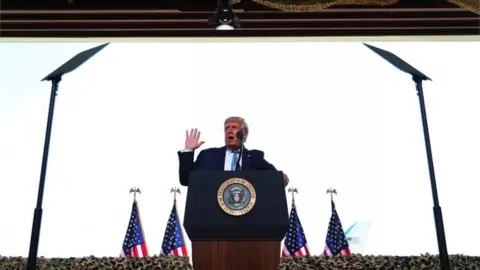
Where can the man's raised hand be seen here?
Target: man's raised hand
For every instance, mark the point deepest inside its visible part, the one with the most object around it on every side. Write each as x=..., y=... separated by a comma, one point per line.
x=192, y=140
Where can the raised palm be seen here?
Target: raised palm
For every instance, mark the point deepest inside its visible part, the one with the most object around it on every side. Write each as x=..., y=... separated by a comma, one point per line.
x=192, y=140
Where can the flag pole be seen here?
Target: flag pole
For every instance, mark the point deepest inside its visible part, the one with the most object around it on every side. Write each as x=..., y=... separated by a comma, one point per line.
x=175, y=190
x=331, y=191
x=135, y=190
x=293, y=190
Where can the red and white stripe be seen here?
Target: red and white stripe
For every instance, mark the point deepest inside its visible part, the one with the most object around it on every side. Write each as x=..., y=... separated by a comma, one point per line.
x=136, y=251
x=344, y=252
x=301, y=252
x=181, y=251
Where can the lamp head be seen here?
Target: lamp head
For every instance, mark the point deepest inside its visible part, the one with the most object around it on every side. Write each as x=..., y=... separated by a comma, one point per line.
x=224, y=18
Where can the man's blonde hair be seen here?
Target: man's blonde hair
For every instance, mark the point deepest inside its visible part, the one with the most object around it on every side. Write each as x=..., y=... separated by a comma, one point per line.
x=239, y=119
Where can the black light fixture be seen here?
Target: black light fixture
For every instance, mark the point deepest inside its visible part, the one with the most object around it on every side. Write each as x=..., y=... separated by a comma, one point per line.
x=55, y=77
x=224, y=18
x=418, y=77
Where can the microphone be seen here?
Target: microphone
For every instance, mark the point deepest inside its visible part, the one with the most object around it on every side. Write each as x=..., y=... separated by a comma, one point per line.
x=241, y=137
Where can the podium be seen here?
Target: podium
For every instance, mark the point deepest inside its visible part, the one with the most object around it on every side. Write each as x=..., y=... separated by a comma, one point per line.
x=236, y=220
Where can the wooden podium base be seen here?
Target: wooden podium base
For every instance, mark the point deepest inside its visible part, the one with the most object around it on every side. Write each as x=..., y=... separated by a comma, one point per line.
x=235, y=255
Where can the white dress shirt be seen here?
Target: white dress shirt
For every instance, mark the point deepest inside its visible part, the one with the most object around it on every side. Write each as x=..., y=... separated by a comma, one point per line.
x=228, y=159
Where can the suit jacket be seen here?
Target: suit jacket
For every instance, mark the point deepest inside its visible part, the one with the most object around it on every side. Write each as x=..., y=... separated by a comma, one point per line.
x=214, y=159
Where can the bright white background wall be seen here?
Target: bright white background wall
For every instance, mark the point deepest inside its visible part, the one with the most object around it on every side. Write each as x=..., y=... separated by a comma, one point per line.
x=328, y=114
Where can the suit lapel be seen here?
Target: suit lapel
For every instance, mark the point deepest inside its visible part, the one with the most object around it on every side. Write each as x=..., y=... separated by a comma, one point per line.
x=222, y=152
x=246, y=158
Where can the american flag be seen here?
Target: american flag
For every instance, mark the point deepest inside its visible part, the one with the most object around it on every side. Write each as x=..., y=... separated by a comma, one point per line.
x=134, y=244
x=336, y=242
x=173, y=243
x=295, y=243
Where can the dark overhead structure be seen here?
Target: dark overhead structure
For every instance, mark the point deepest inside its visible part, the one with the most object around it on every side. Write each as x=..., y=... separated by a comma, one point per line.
x=259, y=18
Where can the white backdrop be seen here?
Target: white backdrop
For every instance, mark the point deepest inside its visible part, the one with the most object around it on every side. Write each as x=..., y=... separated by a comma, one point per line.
x=328, y=114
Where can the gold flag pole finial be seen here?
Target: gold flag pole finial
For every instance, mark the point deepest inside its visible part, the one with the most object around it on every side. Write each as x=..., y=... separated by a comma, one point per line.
x=135, y=190
x=293, y=190
x=331, y=191
x=175, y=190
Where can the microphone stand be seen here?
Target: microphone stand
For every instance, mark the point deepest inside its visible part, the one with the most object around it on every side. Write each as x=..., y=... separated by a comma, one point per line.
x=240, y=136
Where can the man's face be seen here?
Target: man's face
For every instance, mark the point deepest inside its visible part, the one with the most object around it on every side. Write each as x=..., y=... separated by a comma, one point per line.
x=231, y=128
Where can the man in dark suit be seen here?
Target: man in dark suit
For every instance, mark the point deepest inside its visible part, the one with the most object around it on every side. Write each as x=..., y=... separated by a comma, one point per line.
x=221, y=158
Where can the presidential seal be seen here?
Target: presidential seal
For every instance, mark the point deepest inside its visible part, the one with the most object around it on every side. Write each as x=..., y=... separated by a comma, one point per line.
x=236, y=196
